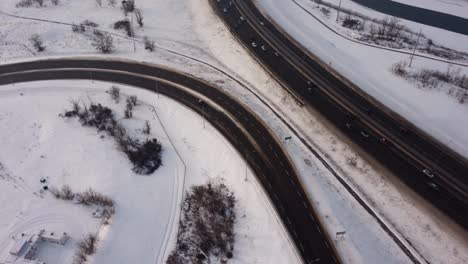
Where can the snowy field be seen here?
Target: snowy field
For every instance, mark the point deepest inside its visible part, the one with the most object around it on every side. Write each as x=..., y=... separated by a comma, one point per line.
x=190, y=27
x=452, y=7
x=40, y=144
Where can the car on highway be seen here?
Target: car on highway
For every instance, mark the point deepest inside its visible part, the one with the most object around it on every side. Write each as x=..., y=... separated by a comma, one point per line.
x=428, y=173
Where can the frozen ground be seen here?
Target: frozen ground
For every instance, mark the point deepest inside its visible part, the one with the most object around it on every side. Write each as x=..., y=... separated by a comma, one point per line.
x=39, y=144
x=452, y=7
x=190, y=27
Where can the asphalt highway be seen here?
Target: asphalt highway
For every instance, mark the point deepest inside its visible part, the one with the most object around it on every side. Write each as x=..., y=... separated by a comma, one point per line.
x=433, y=170
x=246, y=132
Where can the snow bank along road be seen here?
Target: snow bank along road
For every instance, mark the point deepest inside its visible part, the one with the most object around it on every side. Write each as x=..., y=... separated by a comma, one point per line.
x=432, y=169
x=250, y=136
x=424, y=16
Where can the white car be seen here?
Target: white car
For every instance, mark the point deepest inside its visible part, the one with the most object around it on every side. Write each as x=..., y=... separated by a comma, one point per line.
x=428, y=173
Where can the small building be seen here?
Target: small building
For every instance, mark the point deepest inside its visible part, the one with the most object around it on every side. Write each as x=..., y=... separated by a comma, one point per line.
x=18, y=246
x=58, y=238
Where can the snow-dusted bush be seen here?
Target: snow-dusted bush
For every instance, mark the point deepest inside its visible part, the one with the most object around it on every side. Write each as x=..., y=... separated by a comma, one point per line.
x=29, y=3
x=112, y=2
x=125, y=25
x=55, y=2
x=37, y=43
x=149, y=44
x=103, y=42
x=145, y=156
x=207, y=225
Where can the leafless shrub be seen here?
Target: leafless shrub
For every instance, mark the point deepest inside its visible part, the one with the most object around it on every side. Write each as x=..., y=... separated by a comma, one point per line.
x=103, y=42
x=89, y=23
x=37, y=43
x=78, y=28
x=29, y=3
x=133, y=100
x=90, y=197
x=112, y=2
x=107, y=213
x=325, y=11
x=351, y=161
x=352, y=23
x=99, y=3
x=55, y=192
x=55, y=2
x=400, y=69
x=86, y=247
x=25, y=3
x=114, y=93
x=67, y=193
x=149, y=44
x=128, y=112
x=147, y=128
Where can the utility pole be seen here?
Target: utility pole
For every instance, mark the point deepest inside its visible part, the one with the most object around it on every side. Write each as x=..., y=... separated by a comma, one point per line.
x=338, y=14
x=133, y=32
x=415, y=46
x=125, y=4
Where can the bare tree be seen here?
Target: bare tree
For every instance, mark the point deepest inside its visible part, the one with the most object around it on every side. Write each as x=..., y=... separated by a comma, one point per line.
x=128, y=110
x=112, y=2
x=128, y=6
x=139, y=16
x=55, y=2
x=99, y=3
x=37, y=42
x=147, y=128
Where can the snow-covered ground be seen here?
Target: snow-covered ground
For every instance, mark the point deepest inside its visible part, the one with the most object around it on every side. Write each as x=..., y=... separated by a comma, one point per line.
x=452, y=7
x=369, y=68
x=190, y=27
x=37, y=143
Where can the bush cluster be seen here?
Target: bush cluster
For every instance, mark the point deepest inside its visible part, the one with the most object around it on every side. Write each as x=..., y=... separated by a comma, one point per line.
x=86, y=247
x=432, y=79
x=145, y=156
x=207, y=225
